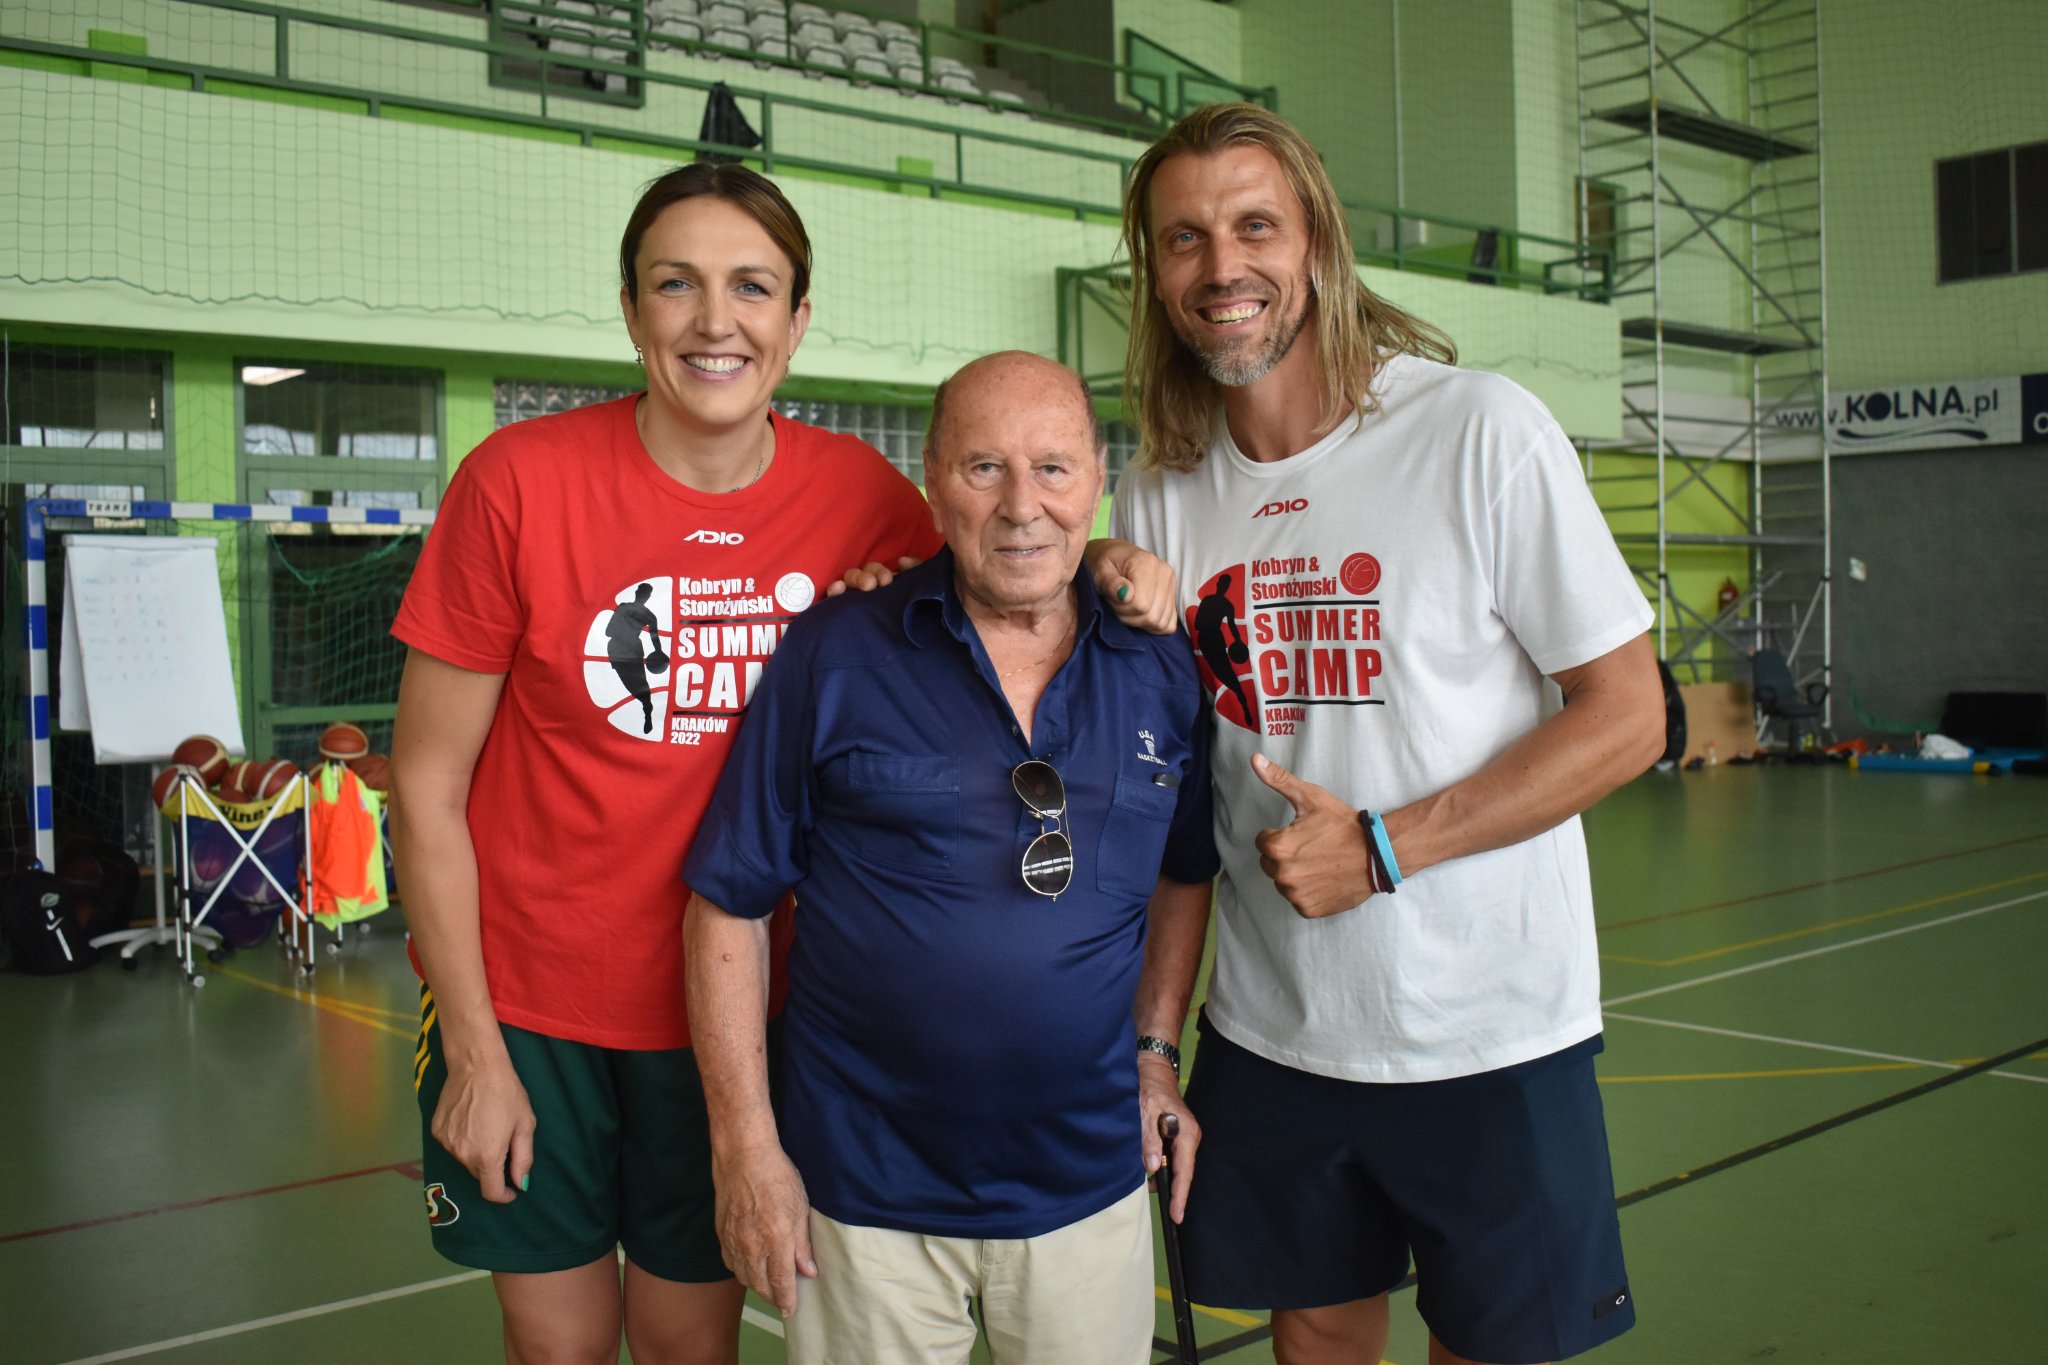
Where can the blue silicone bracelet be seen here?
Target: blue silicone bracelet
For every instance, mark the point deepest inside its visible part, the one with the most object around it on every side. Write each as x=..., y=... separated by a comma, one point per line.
x=1383, y=846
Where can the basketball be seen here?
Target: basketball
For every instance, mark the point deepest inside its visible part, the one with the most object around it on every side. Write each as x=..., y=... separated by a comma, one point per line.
x=343, y=741
x=160, y=790
x=1239, y=652
x=657, y=662
x=228, y=794
x=373, y=771
x=268, y=778
x=205, y=755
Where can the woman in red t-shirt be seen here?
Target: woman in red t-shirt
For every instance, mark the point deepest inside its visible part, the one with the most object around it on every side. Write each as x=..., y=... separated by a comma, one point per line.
x=598, y=595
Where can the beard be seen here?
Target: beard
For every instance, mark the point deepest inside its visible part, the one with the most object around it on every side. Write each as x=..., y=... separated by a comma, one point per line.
x=1241, y=362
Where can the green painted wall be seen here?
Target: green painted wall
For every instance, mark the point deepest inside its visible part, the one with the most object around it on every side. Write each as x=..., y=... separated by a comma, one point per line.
x=1907, y=84
x=1546, y=121
x=1457, y=91
x=311, y=226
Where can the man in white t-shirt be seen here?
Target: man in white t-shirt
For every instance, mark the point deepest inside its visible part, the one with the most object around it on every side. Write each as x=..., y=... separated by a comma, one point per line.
x=1391, y=556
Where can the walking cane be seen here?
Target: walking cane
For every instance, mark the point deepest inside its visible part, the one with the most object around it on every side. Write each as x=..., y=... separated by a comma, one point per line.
x=1183, y=1316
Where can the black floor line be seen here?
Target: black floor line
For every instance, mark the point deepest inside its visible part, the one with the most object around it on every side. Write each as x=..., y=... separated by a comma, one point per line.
x=1217, y=1348
x=1776, y=1144
x=1726, y=1163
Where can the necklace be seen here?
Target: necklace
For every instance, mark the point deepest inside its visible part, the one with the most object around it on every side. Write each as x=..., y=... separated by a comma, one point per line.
x=1061, y=643
x=760, y=468
x=760, y=465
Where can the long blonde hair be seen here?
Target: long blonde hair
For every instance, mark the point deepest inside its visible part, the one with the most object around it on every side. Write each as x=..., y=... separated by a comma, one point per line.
x=1166, y=387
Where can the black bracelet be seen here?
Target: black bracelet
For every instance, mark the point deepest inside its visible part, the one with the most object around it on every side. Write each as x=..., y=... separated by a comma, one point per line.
x=1164, y=1049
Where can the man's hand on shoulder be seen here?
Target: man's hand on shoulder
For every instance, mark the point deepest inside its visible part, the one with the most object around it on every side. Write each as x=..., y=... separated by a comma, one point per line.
x=870, y=576
x=1319, y=861
x=1138, y=584
x=764, y=1222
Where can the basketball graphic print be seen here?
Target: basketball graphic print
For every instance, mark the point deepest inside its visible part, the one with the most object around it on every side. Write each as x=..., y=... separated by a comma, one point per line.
x=1218, y=625
x=794, y=592
x=1360, y=573
x=626, y=658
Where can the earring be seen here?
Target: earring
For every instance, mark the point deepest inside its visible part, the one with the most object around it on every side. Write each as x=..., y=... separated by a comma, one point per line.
x=639, y=359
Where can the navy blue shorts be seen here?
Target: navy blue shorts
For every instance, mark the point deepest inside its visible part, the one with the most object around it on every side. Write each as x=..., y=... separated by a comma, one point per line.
x=1311, y=1191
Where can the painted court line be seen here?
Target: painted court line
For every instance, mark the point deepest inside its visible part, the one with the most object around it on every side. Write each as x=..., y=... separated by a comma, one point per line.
x=1812, y=929
x=403, y=1168
x=1814, y=886
x=748, y=1314
x=1634, y=996
x=338, y=1009
x=1776, y=1073
x=1817, y=1047
x=278, y=1320
x=1814, y=1130
x=751, y=1314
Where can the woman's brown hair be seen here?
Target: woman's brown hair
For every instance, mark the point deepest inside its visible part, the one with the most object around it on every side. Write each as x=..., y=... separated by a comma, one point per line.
x=735, y=184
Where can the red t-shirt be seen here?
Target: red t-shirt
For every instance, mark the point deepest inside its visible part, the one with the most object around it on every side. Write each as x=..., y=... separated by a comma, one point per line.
x=565, y=559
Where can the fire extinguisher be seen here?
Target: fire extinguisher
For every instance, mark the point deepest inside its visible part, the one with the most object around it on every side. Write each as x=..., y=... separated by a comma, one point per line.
x=1730, y=594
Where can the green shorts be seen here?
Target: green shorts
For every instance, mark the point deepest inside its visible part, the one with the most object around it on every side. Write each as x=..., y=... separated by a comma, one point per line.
x=621, y=1157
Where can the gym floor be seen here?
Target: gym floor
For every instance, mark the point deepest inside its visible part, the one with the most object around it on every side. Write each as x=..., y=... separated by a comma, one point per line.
x=1811, y=977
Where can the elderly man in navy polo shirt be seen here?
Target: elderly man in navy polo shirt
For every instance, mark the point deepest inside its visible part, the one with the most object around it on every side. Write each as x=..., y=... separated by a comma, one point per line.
x=982, y=787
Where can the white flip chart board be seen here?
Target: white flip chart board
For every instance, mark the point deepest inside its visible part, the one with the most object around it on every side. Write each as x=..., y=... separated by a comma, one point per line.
x=143, y=660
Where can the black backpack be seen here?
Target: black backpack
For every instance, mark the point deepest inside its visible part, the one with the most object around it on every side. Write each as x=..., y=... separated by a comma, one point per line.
x=1674, y=716
x=43, y=937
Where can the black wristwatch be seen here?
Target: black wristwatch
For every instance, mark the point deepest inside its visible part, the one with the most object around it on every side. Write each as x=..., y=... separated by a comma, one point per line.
x=1164, y=1049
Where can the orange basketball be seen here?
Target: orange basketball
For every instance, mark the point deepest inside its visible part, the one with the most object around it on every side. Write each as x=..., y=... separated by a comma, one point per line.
x=228, y=794
x=343, y=741
x=267, y=779
x=160, y=790
x=204, y=754
x=373, y=771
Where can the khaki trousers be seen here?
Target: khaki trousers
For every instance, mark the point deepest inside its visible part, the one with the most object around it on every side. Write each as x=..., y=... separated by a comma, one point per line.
x=1079, y=1295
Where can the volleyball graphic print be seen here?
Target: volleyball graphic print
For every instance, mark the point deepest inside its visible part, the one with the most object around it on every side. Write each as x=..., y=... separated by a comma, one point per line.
x=670, y=660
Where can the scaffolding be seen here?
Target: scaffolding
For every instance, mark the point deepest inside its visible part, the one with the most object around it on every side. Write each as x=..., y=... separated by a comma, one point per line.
x=1700, y=164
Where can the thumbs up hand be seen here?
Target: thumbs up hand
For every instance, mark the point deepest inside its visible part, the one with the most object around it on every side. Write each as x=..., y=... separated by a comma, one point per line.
x=1319, y=861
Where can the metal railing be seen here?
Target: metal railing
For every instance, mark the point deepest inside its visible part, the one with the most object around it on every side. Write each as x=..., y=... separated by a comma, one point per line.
x=769, y=155
x=1520, y=260
x=1167, y=85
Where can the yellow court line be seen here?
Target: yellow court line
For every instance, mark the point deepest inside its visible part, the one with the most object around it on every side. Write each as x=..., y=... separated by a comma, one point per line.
x=1760, y=1075
x=411, y=1016
x=1790, y=934
x=333, y=1007
x=1229, y=1315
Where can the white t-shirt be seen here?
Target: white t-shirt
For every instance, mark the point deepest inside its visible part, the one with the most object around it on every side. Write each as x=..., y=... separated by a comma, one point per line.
x=1400, y=589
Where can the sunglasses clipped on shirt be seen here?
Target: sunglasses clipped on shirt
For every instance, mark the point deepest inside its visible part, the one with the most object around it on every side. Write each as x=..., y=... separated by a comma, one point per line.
x=1049, y=861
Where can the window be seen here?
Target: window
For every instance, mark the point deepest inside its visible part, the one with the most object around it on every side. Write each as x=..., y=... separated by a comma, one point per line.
x=73, y=398
x=895, y=429
x=342, y=411
x=519, y=399
x=1991, y=213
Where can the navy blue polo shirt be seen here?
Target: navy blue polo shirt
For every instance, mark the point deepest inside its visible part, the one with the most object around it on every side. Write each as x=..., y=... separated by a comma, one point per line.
x=959, y=1057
